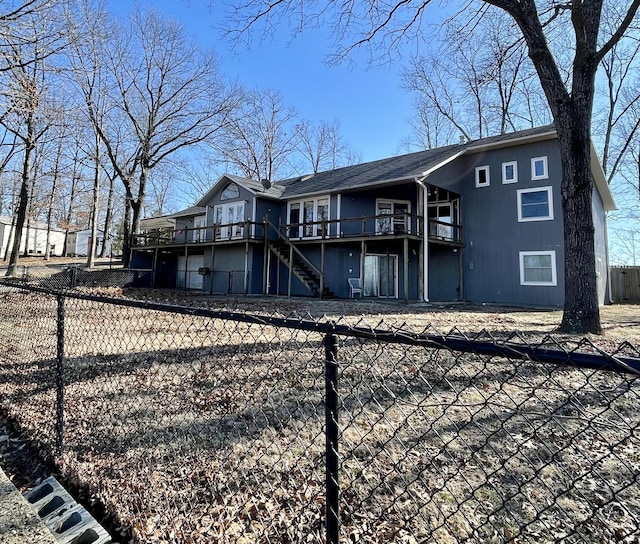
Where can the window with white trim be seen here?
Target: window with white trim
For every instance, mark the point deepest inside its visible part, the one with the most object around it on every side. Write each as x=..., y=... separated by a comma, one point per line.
x=510, y=172
x=482, y=176
x=229, y=220
x=539, y=168
x=230, y=192
x=535, y=204
x=398, y=216
x=308, y=218
x=538, y=268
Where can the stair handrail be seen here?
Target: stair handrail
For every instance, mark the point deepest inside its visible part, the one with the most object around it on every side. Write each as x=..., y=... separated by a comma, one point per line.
x=292, y=246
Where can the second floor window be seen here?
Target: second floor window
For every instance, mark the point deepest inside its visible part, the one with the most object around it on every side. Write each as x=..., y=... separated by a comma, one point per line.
x=398, y=216
x=482, y=176
x=539, y=168
x=535, y=204
x=510, y=172
x=227, y=216
x=308, y=218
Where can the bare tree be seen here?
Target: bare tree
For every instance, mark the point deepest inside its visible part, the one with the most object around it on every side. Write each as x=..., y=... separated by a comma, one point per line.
x=476, y=84
x=260, y=139
x=108, y=213
x=617, y=118
x=570, y=100
x=16, y=31
x=322, y=147
x=25, y=106
x=196, y=176
x=8, y=145
x=162, y=194
x=166, y=95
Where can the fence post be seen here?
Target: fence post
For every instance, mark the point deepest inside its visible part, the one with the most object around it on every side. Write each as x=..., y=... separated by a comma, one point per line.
x=74, y=276
x=331, y=444
x=60, y=378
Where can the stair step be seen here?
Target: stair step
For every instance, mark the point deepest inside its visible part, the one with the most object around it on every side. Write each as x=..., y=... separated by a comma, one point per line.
x=301, y=268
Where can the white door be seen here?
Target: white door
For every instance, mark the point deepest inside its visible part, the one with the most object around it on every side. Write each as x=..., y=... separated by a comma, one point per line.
x=198, y=229
x=229, y=215
x=188, y=277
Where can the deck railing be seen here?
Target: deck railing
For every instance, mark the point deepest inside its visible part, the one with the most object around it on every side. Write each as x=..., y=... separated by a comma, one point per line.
x=401, y=224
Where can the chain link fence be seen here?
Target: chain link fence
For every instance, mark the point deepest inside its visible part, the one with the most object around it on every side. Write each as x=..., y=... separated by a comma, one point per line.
x=57, y=277
x=193, y=426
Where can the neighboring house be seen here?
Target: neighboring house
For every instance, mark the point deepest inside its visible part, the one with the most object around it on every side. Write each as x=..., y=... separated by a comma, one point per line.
x=37, y=238
x=78, y=243
x=478, y=221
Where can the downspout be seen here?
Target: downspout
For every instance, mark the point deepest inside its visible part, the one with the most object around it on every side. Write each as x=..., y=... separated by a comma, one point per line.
x=425, y=236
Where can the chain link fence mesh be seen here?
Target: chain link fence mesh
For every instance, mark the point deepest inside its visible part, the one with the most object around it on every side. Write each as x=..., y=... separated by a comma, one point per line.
x=196, y=426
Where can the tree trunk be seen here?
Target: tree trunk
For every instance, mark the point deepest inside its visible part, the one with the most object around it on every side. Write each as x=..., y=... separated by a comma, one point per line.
x=107, y=220
x=52, y=199
x=91, y=250
x=581, y=305
x=135, y=222
x=126, y=233
x=137, y=206
x=23, y=202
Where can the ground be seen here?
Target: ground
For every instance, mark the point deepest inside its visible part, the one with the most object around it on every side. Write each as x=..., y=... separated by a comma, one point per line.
x=190, y=429
x=620, y=323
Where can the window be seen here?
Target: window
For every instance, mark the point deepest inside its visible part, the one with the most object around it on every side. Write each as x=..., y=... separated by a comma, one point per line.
x=535, y=204
x=441, y=216
x=230, y=192
x=538, y=268
x=398, y=216
x=199, y=224
x=510, y=172
x=308, y=218
x=229, y=215
x=482, y=176
x=539, y=168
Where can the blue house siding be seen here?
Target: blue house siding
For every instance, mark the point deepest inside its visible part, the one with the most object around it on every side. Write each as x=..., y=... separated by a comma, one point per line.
x=494, y=231
x=355, y=206
x=273, y=210
x=444, y=273
x=493, y=235
x=228, y=269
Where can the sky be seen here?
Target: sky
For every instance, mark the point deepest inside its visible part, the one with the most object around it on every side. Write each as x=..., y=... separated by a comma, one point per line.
x=369, y=103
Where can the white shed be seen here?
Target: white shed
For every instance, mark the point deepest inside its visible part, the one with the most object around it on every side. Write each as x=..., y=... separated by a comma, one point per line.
x=78, y=243
x=37, y=238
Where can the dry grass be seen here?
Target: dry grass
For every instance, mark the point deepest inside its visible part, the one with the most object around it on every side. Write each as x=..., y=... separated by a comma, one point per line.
x=203, y=430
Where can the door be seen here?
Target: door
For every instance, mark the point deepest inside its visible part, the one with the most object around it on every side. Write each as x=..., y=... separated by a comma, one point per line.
x=198, y=229
x=230, y=218
x=381, y=276
x=188, y=276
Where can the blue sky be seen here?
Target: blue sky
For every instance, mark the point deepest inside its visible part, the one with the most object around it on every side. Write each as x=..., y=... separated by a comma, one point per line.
x=368, y=102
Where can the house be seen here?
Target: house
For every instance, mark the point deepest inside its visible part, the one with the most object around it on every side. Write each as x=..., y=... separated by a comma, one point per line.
x=479, y=221
x=35, y=235
x=78, y=243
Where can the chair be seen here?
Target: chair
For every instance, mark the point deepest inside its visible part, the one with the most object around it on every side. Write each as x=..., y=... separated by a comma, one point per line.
x=355, y=287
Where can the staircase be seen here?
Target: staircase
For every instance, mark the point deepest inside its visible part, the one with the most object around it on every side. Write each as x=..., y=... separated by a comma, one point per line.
x=301, y=268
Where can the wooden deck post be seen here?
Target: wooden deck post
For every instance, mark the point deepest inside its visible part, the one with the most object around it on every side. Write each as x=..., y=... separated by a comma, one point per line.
x=405, y=271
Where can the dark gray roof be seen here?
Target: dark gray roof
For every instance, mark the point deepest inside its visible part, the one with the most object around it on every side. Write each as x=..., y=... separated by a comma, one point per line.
x=370, y=173
x=194, y=210
x=256, y=187
x=382, y=171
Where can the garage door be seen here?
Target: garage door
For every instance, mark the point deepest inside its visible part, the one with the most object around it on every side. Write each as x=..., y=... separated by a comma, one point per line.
x=188, y=276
